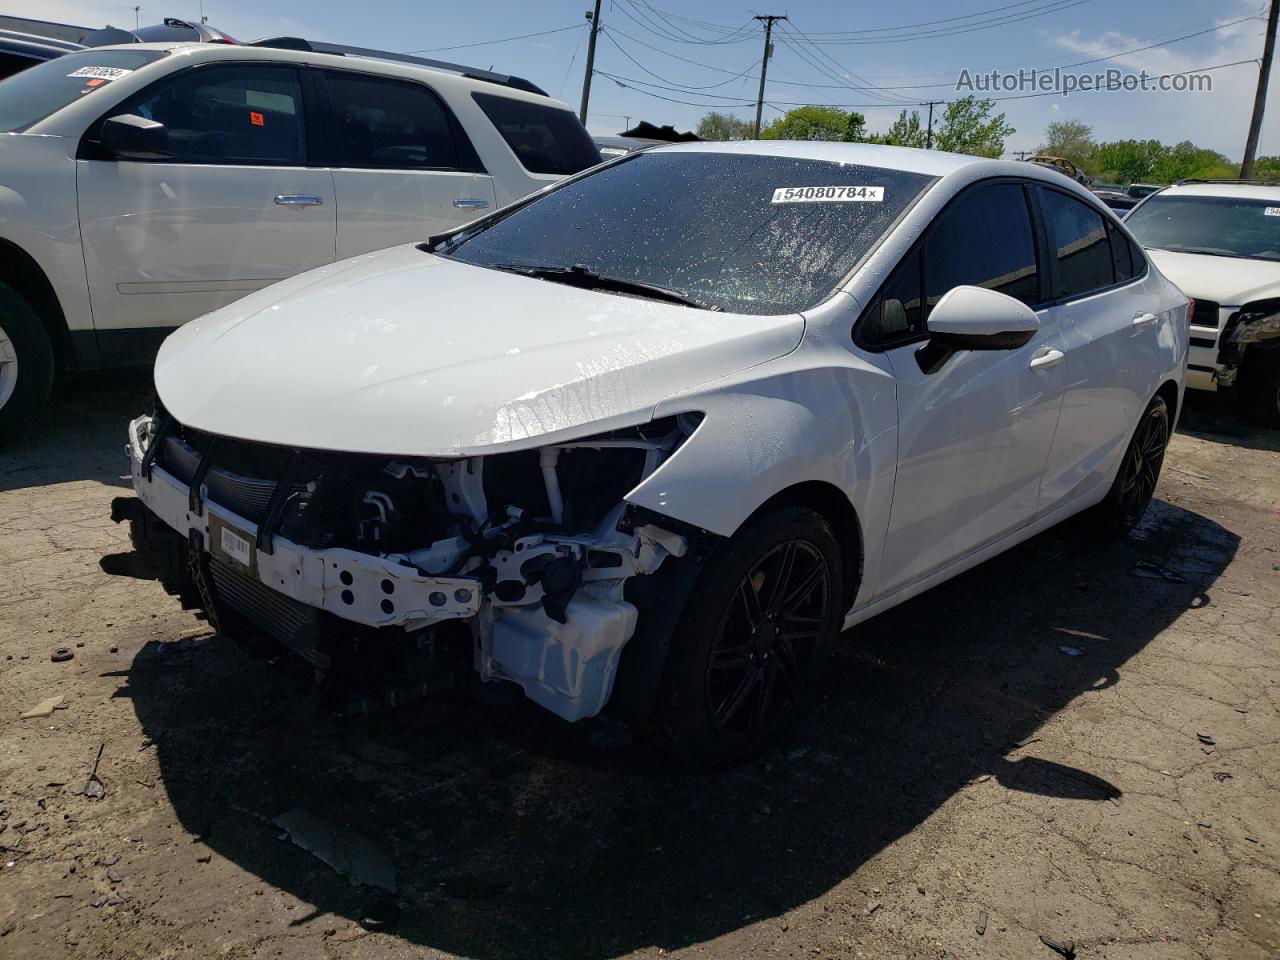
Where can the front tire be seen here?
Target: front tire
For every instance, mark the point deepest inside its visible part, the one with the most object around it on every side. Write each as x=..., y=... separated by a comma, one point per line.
x=26, y=363
x=750, y=643
x=1135, y=482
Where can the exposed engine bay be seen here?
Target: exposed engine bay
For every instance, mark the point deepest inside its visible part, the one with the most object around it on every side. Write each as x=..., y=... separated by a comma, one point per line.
x=519, y=560
x=1254, y=327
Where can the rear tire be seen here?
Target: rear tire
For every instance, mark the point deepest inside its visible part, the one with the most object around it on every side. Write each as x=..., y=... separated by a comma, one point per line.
x=1260, y=388
x=1139, y=472
x=26, y=363
x=750, y=643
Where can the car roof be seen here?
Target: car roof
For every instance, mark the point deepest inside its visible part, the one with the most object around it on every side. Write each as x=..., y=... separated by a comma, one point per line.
x=933, y=163
x=1251, y=191
x=366, y=64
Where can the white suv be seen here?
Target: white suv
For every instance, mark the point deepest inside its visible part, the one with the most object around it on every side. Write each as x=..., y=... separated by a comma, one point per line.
x=1220, y=242
x=143, y=186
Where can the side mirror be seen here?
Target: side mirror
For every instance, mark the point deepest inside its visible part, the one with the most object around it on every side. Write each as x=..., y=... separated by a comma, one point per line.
x=130, y=137
x=975, y=318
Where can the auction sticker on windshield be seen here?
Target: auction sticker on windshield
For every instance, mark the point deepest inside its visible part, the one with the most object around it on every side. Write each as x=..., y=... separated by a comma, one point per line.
x=1272, y=212
x=101, y=73
x=828, y=195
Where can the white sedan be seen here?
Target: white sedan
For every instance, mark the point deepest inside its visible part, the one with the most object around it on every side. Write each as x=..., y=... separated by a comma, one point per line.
x=646, y=442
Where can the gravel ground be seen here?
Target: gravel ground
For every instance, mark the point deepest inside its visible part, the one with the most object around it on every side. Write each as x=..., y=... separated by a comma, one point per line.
x=1075, y=740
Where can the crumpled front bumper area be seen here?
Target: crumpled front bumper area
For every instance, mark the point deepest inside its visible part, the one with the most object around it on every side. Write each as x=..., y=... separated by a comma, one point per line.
x=308, y=545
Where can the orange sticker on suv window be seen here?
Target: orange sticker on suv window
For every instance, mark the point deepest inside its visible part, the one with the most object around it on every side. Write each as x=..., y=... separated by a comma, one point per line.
x=257, y=119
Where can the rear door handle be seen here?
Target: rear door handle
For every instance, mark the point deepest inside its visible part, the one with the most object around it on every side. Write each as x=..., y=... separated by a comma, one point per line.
x=1045, y=359
x=1145, y=319
x=467, y=204
x=298, y=200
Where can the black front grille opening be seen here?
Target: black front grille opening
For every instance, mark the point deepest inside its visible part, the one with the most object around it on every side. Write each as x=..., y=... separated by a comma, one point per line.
x=1205, y=314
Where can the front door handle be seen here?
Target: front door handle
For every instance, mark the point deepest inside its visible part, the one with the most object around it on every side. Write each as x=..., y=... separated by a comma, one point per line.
x=467, y=204
x=298, y=200
x=1144, y=320
x=1045, y=359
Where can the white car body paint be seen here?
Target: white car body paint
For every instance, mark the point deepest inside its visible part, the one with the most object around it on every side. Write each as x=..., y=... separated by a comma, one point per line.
x=404, y=353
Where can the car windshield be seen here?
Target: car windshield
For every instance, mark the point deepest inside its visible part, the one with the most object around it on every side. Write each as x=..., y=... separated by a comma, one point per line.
x=737, y=232
x=32, y=95
x=1223, y=226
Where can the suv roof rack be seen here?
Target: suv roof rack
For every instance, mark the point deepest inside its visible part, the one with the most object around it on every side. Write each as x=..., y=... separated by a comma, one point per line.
x=342, y=50
x=1254, y=181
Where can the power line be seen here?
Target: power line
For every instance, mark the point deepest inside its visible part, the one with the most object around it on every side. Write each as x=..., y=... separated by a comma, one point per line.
x=638, y=16
x=1057, y=7
x=608, y=34
x=486, y=43
x=636, y=85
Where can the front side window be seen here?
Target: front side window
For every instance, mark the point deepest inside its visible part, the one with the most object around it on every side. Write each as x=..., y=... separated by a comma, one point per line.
x=36, y=94
x=392, y=123
x=983, y=239
x=1219, y=226
x=1078, y=237
x=233, y=113
x=544, y=139
x=738, y=232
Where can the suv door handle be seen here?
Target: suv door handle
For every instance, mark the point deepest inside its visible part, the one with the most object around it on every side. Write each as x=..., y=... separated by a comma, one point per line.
x=466, y=204
x=1145, y=319
x=298, y=200
x=1046, y=359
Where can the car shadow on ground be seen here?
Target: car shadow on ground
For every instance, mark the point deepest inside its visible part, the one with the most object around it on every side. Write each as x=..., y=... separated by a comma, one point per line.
x=1216, y=417
x=81, y=433
x=512, y=836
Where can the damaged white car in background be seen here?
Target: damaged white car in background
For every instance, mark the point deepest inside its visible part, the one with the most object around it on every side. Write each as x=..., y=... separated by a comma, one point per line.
x=641, y=445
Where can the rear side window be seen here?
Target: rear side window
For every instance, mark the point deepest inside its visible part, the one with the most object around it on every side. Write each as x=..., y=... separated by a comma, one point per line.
x=1078, y=237
x=392, y=123
x=983, y=239
x=230, y=114
x=544, y=139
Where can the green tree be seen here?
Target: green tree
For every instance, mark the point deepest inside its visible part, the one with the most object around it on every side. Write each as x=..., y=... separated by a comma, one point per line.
x=817, y=123
x=1070, y=139
x=1266, y=168
x=969, y=127
x=723, y=126
x=907, y=131
x=1185, y=159
x=1128, y=160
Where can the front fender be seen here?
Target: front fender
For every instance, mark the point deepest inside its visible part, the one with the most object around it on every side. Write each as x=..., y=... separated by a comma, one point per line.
x=819, y=414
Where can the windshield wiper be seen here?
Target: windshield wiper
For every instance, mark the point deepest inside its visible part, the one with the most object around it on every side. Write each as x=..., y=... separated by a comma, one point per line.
x=580, y=275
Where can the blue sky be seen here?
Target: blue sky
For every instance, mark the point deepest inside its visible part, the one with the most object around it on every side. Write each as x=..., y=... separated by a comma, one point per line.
x=708, y=53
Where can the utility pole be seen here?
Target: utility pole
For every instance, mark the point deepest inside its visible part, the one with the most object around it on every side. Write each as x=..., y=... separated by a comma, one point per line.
x=1260, y=99
x=928, y=137
x=767, y=20
x=591, y=61
x=1023, y=154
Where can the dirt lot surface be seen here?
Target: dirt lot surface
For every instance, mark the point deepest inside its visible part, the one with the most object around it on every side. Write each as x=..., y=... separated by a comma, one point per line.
x=1075, y=740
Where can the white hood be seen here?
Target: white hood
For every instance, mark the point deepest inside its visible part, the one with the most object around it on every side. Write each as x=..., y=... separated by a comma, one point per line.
x=1228, y=281
x=404, y=353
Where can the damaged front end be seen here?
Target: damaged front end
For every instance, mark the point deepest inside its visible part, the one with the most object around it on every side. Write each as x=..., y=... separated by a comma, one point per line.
x=1252, y=328
x=512, y=566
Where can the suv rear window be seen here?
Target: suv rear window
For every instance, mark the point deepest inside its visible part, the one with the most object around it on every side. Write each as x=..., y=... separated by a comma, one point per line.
x=32, y=95
x=742, y=232
x=544, y=139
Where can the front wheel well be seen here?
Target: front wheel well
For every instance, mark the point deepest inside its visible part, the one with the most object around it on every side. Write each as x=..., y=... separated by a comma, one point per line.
x=20, y=271
x=1168, y=392
x=831, y=503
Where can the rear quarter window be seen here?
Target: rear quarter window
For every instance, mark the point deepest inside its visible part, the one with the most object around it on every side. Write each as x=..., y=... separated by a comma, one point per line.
x=544, y=139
